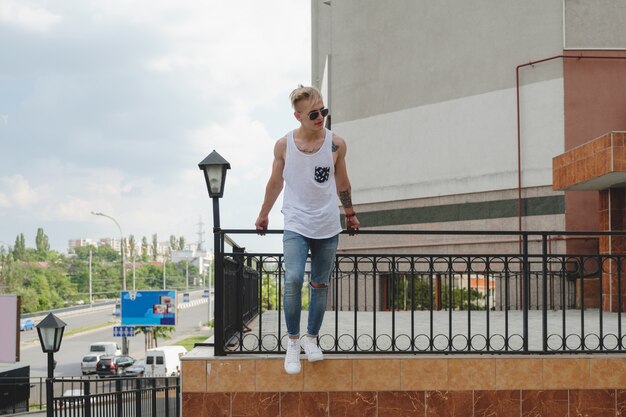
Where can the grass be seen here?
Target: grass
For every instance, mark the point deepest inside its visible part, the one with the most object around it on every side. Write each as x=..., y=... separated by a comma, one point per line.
x=190, y=341
x=87, y=328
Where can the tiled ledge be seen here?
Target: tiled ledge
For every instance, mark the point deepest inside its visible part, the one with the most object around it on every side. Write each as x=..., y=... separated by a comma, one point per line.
x=351, y=373
x=596, y=165
x=503, y=403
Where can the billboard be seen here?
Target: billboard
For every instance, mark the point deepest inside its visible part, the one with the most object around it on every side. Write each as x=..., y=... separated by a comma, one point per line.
x=148, y=308
x=9, y=328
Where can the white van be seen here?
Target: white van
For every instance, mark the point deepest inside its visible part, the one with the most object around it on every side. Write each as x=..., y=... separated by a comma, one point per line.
x=163, y=361
x=105, y=348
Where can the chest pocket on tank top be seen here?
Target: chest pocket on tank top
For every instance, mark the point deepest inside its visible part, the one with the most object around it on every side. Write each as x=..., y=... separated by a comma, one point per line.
x=321, y=174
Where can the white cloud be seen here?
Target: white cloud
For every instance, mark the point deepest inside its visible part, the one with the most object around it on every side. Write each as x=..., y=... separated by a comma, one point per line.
x=15, y=191
x=28, y=17
x=115, y=108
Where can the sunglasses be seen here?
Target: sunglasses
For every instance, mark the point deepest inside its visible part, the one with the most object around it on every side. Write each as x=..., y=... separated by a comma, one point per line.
x=314, y=114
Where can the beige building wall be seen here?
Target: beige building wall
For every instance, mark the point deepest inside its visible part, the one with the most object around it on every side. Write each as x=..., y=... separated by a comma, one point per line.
x=427, y=96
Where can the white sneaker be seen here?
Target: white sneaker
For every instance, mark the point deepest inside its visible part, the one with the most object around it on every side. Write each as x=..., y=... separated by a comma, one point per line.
x=313, y=352
x=292, y=358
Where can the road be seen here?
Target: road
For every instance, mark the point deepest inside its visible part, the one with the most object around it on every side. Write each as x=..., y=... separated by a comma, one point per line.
x=73, y=347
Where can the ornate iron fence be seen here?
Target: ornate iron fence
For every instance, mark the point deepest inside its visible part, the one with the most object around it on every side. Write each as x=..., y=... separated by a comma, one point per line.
x=532, y=301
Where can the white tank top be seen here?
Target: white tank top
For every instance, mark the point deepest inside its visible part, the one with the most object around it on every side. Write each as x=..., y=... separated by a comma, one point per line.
x=310, y=205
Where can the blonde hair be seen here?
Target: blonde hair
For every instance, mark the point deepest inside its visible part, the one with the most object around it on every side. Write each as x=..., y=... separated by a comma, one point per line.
x=304, y=93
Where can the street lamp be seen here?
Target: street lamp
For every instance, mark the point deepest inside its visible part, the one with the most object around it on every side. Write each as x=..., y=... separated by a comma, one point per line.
x=214, y=168
x=50, y=331
x=123, y=253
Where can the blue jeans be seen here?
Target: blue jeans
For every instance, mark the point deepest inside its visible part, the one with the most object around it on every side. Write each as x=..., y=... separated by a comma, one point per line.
x=296, y=248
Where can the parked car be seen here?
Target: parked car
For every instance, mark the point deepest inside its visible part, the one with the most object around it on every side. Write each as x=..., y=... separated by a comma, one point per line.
x=74, y=392
x=26, y=324
x=89, y=362
x=74, y=399
x=205, y=294
x=185, y=297
x=136, y=369
x=113, y=365
x=105, y=348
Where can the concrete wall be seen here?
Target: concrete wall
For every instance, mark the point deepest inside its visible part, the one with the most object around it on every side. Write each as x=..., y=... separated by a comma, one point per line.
x=594, y=25
x=425, y=94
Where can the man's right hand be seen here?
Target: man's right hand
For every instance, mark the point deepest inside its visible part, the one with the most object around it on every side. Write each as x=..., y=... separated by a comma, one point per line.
x=261, y=224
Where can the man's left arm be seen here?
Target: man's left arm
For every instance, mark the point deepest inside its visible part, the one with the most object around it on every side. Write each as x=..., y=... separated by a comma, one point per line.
x=344, y=189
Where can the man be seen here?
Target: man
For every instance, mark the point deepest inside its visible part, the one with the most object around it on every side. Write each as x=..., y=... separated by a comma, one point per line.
x=310, y=162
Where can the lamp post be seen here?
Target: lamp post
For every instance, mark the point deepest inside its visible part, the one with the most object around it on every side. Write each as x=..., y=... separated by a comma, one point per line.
x=123, y=253
x=50, y=331
x=214, y=168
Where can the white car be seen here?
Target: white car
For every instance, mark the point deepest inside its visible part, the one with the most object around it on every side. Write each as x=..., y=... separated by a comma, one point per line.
x=89, y=362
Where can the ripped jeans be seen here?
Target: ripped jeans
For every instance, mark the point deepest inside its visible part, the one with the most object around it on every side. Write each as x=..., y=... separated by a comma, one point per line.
x=296, y=248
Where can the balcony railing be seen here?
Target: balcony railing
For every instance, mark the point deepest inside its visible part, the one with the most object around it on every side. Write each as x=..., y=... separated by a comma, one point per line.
x=530, y=301
x=81, y=396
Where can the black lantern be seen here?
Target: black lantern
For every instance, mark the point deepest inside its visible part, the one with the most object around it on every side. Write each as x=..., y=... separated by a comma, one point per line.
x=214, y=168
x=50, y=331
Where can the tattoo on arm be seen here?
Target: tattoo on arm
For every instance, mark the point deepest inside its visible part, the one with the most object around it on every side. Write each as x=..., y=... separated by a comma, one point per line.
x=345, y=198
x=335, y=147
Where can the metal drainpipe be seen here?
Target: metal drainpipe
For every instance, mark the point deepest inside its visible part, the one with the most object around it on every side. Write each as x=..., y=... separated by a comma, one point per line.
x=519, y=137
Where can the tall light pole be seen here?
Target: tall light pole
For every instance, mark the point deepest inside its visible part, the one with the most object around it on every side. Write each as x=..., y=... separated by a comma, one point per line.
x=214, y=167
x=133, y=271
x=90, y=278
x=164, y=260
x=123, y=253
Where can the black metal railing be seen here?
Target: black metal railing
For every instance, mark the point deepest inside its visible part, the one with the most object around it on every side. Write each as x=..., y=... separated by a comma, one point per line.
x=530, y=300
x=72, y=396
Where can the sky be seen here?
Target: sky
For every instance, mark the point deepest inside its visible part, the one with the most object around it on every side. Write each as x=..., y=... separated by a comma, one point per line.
x=109, y=106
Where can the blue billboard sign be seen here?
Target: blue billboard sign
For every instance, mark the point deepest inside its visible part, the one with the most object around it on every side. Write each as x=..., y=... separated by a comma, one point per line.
x=148, y=308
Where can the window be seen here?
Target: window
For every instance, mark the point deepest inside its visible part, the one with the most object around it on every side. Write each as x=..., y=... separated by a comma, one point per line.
x=159, y=360
x=150, y=360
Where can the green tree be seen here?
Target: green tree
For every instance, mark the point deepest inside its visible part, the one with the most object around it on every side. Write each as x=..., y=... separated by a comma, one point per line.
x=152, y=334
x=144, y=249
x=42, y=244
x=105, y=271
x=269, y=293
x=19, y=249
x=132, y=246
x=173, y=243
x=8, y=273
x=43, y=287
x=460, y=298
x=181, y=243
x=155, y=247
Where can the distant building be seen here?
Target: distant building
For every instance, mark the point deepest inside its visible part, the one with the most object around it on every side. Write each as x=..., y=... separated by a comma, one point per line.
x=162, y=247
x=72, y=244
x=200, y=259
